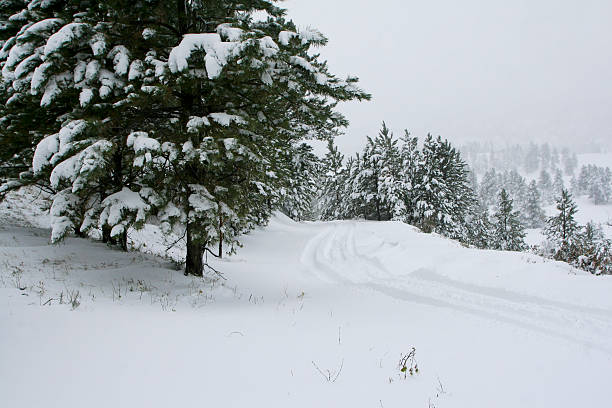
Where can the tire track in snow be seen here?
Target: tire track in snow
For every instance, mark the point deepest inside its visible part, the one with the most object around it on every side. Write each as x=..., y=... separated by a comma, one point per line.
x=334, y=256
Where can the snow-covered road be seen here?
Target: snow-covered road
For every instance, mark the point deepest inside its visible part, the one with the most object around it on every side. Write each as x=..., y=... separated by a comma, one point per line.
x=351, y=253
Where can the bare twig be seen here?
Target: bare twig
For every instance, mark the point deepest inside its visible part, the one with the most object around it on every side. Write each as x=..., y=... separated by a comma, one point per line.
x=329, y=375
x=177, y=241
x=219, y=274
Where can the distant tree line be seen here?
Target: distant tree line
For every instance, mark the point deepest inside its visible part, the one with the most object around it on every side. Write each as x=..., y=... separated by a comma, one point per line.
x=430, y=186
x=527, y=159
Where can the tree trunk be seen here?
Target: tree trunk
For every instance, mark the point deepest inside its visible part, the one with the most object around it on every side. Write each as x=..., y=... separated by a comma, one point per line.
x=220, y=237
x=182, y=16
x=123, y=241
x=194, y=264
x=106, y=235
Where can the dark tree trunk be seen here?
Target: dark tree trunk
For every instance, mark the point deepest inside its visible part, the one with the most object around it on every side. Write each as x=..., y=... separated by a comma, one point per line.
x=182, y=16
x=123, y=241
x=106, y=235
x=194, y=264
x=220, y=237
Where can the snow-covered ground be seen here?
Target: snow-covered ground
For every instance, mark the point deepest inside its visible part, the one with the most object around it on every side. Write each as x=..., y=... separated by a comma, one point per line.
x=311, y=315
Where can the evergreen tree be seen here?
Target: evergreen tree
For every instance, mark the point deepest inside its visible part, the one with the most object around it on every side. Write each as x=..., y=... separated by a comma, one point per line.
x=562, y=229
x=596, y=250
x=378, y=185
x=353, y=206
x=569, y=161
x=365, y=184
x=333, y=199
x=68, y=68
x=480, y=228
x=532, y=213
x=302, y=184
x=545, y=186
x=431, y=190
x=516, y=186
x=600, y=188
x=410, y=157
x=391, y=182
x=558, y=184
x=441, y=193
x=584, y=180
x=190, y=111
x=490, y=187
x=508, y=232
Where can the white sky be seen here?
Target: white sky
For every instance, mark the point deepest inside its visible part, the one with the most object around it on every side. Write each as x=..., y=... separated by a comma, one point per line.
x=496, y=70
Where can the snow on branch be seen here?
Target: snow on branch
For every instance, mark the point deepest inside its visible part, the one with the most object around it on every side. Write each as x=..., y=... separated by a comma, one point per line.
x=118, y=205
x=217, y=53
x=225, y=119
x=66, y=35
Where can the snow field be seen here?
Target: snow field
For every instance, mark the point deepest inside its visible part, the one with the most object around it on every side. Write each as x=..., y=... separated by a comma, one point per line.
x=489, y=328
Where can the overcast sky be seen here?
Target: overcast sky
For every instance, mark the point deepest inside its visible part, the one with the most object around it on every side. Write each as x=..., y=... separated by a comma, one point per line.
x=473, y=69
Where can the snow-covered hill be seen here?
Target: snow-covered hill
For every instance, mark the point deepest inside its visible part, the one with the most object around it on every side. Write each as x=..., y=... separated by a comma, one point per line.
x=311, y=315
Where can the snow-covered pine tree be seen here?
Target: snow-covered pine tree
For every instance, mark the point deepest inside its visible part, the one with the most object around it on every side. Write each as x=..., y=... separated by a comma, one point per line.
x=562, y=230
x=545, y=186
x=228, y=95
x=508, y=232
x=489, y=187
x=479, y=227
x=391, y=182
x=70, y=66
x=182, y=109
x=600, y=185
x=430, y=190
x=569, y=161
x=558, y=185
x=298, y=198
x=441, y=192
x=333, y=190
x=378, y=185
x=582, y=182
x=595, y=250
x=463, y=197
x=516, y=187
x=532, y=213
x=364, y=181
x=574, y=186
x=410, y=157
x=18, y=136
x=352, y=204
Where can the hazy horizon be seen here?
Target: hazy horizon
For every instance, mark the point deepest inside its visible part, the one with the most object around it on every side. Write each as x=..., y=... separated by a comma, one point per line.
x=472, y=71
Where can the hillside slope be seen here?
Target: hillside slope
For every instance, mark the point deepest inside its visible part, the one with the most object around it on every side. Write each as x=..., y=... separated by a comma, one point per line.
x=311, y=314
